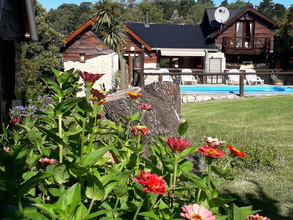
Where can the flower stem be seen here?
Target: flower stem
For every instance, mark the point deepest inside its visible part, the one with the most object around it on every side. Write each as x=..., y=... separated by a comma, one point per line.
x=174, y=180
x=138, y=209
x=61, y=136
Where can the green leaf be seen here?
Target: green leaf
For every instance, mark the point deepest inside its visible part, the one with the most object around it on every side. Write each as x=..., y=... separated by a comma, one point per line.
x=223, y=173
x=149, y=214
x=57, y=140
x=61, y=173
x=186, y=166
x=95, y=189
x=91, y=158
x=35, y=137
x=197, y=181
x=62, y=77
x=134, y=117
x=218, y=202
x=31, y=183
x=54, y=87
x=84, y=105
x=182, y=129
x=236, y=213
x=101, y=212
x=69, y=104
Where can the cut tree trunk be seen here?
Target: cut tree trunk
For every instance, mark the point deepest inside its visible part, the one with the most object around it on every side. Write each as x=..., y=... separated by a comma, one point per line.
x=164, y=97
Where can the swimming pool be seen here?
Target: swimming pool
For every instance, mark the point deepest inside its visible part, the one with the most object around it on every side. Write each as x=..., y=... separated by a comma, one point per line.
x=235, y=89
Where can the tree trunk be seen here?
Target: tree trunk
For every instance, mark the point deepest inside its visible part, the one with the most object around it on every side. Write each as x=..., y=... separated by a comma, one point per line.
x=164, y=97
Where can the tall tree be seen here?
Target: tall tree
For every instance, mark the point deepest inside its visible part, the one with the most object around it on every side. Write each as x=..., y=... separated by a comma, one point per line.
x=38, y=57
x=196, y=12
x=266, y=7
x=109, y=24
x=239, y=4
x=284, y=35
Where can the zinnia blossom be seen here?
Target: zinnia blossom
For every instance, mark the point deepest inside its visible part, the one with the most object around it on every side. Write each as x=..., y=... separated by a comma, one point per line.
x=178, y=144
x=213, y=142
x=15, y=120
x=100, y=94
x=196, y=212
x=7, y=149
x=140, y=130
x=134, y=95
x=46, y=161
x=236, y=152
x=257, y=217
x=152, y=182
x=145, y=106
x=101, y=102
x=211, y=152
x=89, y=77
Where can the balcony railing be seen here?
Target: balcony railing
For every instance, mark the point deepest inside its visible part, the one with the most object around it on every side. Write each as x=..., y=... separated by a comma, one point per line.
x=247, y=45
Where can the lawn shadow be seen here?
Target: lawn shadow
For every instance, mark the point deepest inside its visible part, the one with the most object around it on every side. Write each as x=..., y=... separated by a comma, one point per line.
x=260, y=201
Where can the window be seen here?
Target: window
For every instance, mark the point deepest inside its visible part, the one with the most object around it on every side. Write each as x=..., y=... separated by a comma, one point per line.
x=244, y=34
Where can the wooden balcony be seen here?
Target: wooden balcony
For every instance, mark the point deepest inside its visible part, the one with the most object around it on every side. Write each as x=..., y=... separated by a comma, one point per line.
x=247, y=45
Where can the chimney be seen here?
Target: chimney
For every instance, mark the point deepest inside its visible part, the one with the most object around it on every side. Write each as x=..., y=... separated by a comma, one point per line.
x=147, y=24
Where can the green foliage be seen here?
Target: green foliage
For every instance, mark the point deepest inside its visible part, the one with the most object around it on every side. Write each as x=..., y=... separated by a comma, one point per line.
x=72, y=165
x=38, y=57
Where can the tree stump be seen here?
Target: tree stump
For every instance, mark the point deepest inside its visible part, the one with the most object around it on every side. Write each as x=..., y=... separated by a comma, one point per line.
x=164, y=97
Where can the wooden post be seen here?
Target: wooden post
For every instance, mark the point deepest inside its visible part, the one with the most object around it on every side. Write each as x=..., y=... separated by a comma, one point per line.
x=141, y=74
x=241, y=84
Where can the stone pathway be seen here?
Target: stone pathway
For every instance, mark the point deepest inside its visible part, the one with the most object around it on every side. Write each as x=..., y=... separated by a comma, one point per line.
x=191, y=97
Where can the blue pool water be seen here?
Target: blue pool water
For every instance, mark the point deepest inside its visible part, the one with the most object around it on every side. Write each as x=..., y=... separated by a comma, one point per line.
x=235, y=89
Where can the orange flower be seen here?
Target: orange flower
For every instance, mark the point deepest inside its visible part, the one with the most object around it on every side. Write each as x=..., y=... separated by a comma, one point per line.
x=101, y=102
x=236, y=152
x=152, y=182
x=211, y=152
x=140, y=130
x=134, y=95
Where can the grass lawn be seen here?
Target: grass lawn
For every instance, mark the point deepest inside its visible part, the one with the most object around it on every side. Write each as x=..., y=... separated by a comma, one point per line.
x=262, y=128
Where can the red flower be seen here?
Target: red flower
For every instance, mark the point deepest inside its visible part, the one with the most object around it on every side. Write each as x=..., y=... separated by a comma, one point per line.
x=213, y=142
x=145, y=106
x=236, y=152
x=134, y=95
x=46, y=161
x=211, y=152
x=140, y=130
x=89, y=77
x=100, y=115
x=152, y=182
x=7, y=149
x=178, y=144
x=15, y=120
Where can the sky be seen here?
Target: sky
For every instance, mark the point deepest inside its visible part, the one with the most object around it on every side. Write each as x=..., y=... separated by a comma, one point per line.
x=48, y=4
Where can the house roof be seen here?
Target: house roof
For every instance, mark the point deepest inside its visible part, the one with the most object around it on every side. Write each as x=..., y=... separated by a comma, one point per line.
x=235, y=13
x=170, y=35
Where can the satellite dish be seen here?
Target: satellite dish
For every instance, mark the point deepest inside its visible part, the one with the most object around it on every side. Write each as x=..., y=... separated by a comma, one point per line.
x=222, y=14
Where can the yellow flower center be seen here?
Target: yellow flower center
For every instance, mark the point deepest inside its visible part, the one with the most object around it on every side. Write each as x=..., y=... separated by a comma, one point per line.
x=196, y=217
x=259, y=218
x=211, y=151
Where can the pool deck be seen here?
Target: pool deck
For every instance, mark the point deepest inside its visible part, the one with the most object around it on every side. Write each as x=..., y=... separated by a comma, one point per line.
x=190, y=97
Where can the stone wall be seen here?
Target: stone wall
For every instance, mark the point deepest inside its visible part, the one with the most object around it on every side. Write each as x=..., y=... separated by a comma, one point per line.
x=107, y=64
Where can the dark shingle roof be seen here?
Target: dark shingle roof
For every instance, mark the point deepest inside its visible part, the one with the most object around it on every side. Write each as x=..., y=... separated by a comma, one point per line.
x=171, y=35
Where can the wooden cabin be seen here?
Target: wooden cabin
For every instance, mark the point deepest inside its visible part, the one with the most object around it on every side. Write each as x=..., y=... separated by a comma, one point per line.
x=247, y=35
x=17, y=24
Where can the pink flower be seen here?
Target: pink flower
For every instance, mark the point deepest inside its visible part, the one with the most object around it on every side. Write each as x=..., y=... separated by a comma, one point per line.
x=196, y=212
x=145, y=106
x=257, y=217
x=140, y=130
x=7, y=149
x=152, y=182
x=211, y=152
x=178, y=144
x=89, y=77
x=15, y=120
x=46, y=161
x=213, y=142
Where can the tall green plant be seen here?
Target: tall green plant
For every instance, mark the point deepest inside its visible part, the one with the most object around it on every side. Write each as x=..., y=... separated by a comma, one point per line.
x=75, y=164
